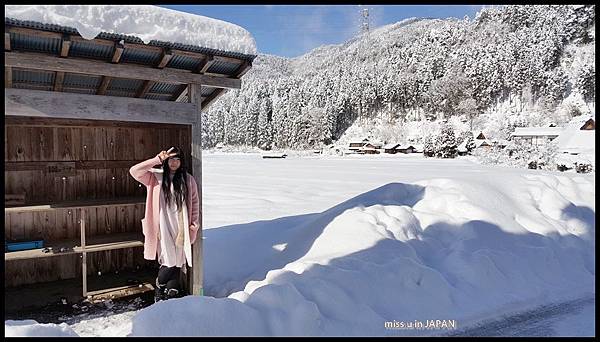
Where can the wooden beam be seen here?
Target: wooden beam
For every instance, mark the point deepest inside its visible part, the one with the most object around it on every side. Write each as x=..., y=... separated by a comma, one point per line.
x=144, y=89
x=243, y=69
x=189, y=53
x=197, y=271
x=99, y=41
x=103, y=85
x=166, y=57
x=205, y=64
x=8, y=77
x=179, y=94
x=118, y=53
x=143, y=47
x=49, y=104
x=58, y=81
x=20, y=121
x=212, y=97
x=6, y=41
x=38, y=61
x=79, y=165
x=65, y=46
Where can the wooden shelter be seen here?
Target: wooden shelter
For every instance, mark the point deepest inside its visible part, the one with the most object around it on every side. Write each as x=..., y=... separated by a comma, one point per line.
x=78, y=114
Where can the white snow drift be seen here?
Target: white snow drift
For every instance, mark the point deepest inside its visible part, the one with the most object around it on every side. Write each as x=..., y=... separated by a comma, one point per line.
x=143, y=21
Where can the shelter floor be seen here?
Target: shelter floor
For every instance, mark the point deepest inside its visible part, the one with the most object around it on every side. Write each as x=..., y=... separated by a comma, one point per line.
x=44, y=301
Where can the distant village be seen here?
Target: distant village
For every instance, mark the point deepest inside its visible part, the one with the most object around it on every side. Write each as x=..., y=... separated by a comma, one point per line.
x=575, y=141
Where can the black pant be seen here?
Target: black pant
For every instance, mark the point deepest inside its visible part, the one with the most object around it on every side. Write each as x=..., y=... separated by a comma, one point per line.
x=168, y=279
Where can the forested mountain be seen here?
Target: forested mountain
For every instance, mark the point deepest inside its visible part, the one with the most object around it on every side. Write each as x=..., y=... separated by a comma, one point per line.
x=509, y=66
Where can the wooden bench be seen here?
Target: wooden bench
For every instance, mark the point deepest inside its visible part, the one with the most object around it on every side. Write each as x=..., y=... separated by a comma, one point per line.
x=73, y=246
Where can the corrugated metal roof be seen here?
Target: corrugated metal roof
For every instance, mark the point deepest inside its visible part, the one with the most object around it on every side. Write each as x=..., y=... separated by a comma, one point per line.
x=32, y=77
x=81, y=81
x=206, y=91
x=88, y=84
x=140, y=56
x=20, y=41
x=183, y=62
x=126, y=38
x=91, y=50
x=124, y=85
x=164, y=88
x=222, y=67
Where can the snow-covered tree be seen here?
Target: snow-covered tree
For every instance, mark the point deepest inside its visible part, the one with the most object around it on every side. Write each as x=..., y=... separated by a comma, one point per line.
x=445, y=143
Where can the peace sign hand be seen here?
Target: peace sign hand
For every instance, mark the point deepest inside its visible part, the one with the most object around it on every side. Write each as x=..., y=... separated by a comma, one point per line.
x=165, y=154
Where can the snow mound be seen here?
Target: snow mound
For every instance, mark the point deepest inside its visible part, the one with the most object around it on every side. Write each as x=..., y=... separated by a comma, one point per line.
x=34, y=329
x=437, y=249
x=143, y=21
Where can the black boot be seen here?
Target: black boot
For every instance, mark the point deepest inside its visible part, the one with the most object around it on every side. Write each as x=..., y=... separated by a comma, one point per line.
x=172, y=293
x=160, y=292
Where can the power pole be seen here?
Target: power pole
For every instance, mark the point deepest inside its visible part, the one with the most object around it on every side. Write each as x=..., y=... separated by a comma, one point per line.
x=364, y=28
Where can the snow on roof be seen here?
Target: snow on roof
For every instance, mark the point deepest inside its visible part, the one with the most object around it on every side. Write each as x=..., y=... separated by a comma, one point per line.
x=144, y=21
x=537, y=131
x=570, y=160
x=576, y=141
x=390, y=146
x=578, y=121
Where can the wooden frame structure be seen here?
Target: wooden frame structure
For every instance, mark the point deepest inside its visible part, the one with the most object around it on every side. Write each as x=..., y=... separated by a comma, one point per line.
x=78, y=114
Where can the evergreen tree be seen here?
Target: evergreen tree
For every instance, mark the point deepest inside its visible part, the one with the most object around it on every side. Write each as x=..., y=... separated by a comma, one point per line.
x=445, y=143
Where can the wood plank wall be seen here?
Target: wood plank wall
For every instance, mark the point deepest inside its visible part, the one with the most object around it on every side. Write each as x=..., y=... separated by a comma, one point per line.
x=90, y=160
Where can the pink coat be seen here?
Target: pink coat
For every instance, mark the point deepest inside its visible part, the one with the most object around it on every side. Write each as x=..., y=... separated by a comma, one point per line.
x=141, y=172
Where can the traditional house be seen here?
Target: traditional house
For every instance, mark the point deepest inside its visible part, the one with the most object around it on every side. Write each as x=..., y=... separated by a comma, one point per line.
x=535, y=135
x=577, y=138
x=479, y=135
x=391, y=148
x=368, y=150
x=356, y=145
x=406, y=149
x=78, y=114
x=374, y=145
x=418, y=148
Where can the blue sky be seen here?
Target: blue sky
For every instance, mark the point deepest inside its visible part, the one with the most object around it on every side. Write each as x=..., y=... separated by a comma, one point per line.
x=293, y=30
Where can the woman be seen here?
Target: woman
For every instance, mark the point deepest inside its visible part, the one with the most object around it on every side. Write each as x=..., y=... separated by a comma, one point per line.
x=171, y=221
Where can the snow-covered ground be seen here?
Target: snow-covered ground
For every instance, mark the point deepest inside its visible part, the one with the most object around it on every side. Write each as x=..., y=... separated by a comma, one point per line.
x=341, y=245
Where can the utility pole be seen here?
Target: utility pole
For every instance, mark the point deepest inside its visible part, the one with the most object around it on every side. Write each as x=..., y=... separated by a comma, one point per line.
x=364, y=28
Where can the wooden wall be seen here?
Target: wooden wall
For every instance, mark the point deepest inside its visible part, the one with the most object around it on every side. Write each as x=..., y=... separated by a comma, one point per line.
x=52, y=161
x=55, y=160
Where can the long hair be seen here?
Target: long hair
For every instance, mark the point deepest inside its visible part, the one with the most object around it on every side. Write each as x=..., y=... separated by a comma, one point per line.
x=179, y=181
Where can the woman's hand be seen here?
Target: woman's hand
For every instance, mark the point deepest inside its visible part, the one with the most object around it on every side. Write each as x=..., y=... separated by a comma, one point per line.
x=165, y=154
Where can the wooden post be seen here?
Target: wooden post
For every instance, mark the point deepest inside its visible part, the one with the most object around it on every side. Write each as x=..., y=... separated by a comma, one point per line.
x=197, y=272
x=83, y=254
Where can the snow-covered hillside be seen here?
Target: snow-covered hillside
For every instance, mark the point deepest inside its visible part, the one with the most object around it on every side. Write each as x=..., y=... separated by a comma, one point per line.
x=341, y=245
x=510, y=66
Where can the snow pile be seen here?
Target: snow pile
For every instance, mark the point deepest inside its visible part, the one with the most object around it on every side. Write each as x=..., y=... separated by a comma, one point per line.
x=143, y=21
x=34, y=329
x=436, y=249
